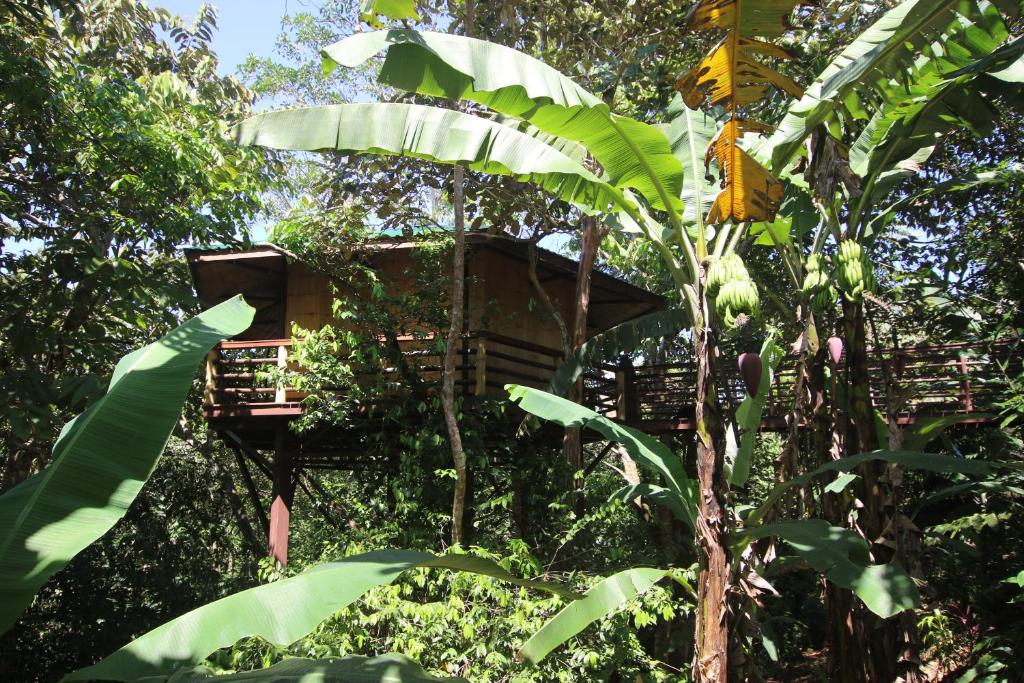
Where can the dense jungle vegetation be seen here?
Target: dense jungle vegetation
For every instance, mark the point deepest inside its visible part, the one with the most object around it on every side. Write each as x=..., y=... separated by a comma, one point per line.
x=800, y=180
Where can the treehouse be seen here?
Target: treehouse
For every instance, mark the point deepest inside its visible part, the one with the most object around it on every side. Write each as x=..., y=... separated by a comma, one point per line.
x=508, y=338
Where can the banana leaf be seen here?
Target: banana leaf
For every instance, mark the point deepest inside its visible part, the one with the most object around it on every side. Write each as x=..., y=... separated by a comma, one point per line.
x=611, y=594
x=657, y=494
x=279, y=612
x=931, y=462
x=842, y=557
x=639, y=445
x=880, y=55
x=927, y=429
x=632, y=154
x=689, y=134
x=439, y=135
x=103, y=457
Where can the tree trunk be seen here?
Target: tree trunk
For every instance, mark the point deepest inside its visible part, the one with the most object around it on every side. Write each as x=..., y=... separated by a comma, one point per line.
x=572, y=445
x=453, y=349
x=454, y=345
x=829, y=424
x=712, y=632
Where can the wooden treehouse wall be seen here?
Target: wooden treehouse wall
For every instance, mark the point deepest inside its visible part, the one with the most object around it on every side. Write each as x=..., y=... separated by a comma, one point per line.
x=500, y=300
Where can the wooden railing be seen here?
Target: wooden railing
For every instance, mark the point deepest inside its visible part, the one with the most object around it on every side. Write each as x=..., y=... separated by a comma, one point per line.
x=919, y=381
x=237, y=371
x=922, y=380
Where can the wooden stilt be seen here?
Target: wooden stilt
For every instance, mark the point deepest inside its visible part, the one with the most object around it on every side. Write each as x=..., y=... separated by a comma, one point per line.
x=282, y=494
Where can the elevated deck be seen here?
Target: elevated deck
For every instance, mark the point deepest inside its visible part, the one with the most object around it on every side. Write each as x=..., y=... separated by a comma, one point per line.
x=930, y=381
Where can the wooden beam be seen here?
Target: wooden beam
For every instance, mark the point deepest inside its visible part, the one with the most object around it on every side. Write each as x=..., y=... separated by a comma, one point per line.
x=250, y=486
x=240, y=255
x=598, y=459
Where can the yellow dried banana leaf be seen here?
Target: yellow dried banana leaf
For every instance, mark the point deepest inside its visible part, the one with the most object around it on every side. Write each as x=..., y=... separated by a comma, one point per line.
x=750, y=193
x=763, y=18
x=714, y=77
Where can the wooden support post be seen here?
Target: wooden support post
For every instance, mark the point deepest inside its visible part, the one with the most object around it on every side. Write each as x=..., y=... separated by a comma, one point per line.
x=625, y=380
x=210, y=394
x=282, y=364
x=965, y=386
x=481, y=367
x=281, y=496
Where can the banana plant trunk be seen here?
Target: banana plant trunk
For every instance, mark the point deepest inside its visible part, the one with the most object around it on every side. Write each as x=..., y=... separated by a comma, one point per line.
x=882, y=641
x=712, y=630
x=829, y=429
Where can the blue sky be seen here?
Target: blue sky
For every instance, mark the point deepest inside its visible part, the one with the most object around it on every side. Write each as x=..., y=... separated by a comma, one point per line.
x=250, y=27
x=245, y=26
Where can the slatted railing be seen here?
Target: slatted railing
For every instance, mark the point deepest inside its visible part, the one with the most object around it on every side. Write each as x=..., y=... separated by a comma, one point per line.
x=238, y=373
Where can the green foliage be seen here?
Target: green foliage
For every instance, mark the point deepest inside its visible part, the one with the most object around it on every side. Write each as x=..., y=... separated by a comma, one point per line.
x=470, y=625
x=280, y=612
x=353, y=669
x=632, y=154
x=392, y=9
x=103, y=457
x=842, y=557
x=113, y=158
x=639, y=445
x=876, y=59
x=426, y=132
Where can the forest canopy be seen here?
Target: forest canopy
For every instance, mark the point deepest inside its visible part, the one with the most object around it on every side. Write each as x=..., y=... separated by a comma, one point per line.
x=458, y=341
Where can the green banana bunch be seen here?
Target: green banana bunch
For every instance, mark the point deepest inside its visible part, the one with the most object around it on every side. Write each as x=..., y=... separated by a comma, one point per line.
x=735, y=294
x=817, y=287
x=722, y=270
x=854, y=272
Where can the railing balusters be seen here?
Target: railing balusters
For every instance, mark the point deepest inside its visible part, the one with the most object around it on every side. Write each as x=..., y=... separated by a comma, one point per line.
x=481, y=367
x=943, y=380
x=965, y=385
x=281, y=393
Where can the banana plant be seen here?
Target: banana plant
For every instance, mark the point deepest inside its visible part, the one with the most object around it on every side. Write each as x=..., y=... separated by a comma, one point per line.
x=537, y=125
x=872, y=117
x=103, y=457
x=839, y=554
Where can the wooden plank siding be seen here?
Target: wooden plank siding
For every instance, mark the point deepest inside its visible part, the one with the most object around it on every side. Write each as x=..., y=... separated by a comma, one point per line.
x=503, y=302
